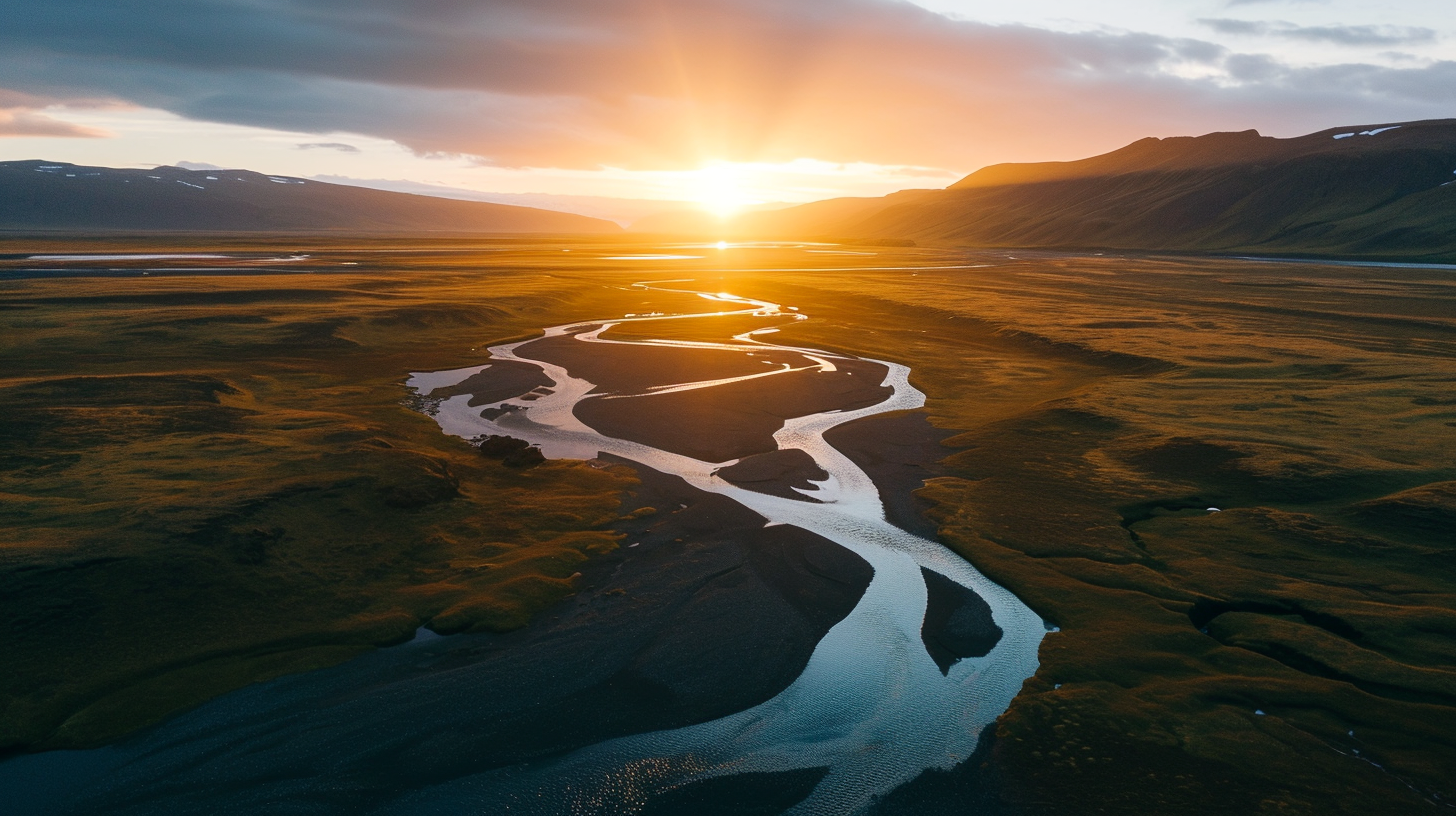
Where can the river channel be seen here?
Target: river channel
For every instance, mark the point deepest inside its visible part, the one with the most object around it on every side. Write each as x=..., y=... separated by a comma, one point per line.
x=872, y=706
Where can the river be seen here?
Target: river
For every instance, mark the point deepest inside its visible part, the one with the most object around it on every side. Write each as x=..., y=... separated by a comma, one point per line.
x=872, y=706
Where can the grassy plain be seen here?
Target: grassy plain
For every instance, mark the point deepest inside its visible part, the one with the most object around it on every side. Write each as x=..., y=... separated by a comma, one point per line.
x=1291, y=653
x=211, y=480
x=214, y=479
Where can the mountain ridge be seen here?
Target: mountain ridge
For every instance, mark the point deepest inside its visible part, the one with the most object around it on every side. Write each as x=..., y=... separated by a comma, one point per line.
x=40, y=195
x=1385, y=190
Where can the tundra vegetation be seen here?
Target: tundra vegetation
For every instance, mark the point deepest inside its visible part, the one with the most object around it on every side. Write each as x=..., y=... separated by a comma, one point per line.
x=215, y=479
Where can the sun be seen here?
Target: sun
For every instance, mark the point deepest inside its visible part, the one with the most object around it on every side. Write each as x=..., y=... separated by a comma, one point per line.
x=720, y=188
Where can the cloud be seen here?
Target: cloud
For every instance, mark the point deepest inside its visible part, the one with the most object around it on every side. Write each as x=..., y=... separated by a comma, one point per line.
x=1361, y=35
x=644, y=84
x=23, y=122
x=1244, y=27
x=1234, y=3
x=21, y=114
x=339, y=146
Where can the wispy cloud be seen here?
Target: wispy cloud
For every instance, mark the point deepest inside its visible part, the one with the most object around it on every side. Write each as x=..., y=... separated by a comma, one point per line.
x=339, y=146
x=14, y=123
x=1267, y=2
x=22, y=114
x=1357, y=35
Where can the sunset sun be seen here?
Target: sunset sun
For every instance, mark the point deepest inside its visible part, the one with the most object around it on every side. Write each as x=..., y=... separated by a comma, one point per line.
x=720, y=188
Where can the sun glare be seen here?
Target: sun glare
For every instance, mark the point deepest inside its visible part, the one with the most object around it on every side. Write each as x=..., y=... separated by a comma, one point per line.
x=721, y=188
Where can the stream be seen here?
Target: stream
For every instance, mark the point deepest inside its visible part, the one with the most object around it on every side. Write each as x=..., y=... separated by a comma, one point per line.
x=872, y=706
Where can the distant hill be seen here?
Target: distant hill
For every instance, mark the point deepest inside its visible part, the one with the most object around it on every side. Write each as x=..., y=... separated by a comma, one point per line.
x=1372, y=190
x=41, y=195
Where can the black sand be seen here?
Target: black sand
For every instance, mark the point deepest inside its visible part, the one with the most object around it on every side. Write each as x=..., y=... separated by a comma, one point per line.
x=776, y=473
x=738, y=419
x=899, y=452
x=708, y=615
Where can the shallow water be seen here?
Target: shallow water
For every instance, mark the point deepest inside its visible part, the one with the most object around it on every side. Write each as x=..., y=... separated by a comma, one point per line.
x=871, y=708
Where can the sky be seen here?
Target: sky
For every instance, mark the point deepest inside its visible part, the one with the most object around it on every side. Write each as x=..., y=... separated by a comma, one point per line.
x=721, y=102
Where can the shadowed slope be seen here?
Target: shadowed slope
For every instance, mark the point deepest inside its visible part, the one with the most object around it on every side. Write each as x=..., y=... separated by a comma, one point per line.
x=39, y=195
x=1373, y=191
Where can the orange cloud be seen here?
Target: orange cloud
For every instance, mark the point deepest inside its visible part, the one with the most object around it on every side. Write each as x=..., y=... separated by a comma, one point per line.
x=22, y=122
x=21, y=114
